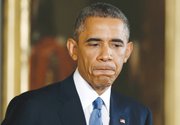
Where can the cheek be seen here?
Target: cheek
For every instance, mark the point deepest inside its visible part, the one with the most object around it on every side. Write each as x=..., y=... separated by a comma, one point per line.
x=119, y=64
x=119, y=60
x=119, y=55
x=86, y=60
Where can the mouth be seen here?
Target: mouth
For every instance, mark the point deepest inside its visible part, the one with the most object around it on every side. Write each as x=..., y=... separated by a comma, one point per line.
x=104, y=70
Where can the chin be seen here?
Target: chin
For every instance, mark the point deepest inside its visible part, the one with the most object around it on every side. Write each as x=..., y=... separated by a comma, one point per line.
x=106, y=80
x=105, y=83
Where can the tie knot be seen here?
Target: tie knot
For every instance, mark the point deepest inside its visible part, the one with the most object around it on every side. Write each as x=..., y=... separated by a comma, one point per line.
x=98, y=103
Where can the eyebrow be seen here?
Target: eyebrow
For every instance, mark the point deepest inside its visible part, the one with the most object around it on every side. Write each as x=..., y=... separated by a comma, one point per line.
x=93, y=39
x=98, y=39
x=117, y=40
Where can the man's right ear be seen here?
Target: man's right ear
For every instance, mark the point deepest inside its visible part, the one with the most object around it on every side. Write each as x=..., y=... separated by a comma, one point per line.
x=72, y=48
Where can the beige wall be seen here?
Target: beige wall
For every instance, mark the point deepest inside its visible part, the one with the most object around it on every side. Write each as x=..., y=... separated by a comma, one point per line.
x=16, y=40
x=172, y=73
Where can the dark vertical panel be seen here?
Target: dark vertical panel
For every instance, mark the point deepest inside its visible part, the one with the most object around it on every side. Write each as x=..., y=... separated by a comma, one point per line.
x=65, y=12
x=152, y=56
x=42, y=19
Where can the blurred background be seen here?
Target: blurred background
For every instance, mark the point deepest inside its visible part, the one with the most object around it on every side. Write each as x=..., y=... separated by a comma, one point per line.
x=33, y=52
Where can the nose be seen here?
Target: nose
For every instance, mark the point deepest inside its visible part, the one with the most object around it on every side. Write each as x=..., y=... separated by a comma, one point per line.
x=105, y=53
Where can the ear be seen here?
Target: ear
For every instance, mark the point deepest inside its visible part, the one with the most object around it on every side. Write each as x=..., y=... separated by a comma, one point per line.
x=129, y=50
x=72, y=48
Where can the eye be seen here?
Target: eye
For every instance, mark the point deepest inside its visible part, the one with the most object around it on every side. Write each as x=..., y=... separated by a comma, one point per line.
x=93, y=43
x=117, y=44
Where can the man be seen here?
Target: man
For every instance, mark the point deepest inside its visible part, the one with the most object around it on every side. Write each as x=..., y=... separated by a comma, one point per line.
x=100, y=46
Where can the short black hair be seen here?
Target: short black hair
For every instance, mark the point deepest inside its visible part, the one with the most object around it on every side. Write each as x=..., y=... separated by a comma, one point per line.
x=99, y=9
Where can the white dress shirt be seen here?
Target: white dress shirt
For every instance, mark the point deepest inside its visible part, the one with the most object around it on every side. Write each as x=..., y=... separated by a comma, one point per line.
x=87, y=95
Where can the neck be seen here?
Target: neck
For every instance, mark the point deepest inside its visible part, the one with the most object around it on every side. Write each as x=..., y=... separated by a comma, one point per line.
x=100, y=91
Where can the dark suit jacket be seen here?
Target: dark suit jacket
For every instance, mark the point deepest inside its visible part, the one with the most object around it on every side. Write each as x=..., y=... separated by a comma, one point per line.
x=59, y=104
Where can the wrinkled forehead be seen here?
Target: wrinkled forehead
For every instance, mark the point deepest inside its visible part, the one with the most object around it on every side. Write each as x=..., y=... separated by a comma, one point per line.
x=104, y=28
x=114, y=23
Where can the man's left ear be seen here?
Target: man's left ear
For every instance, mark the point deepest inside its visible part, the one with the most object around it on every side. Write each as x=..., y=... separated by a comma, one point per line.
x=129, y=50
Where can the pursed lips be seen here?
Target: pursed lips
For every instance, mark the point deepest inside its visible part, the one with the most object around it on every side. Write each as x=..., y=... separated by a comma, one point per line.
x=104, y=70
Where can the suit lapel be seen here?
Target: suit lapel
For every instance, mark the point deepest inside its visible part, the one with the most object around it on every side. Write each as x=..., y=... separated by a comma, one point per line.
x=117, y=114
x=70, y=109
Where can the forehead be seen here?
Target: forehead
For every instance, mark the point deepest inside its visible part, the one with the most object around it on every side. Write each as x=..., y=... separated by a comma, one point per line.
x=104, y=27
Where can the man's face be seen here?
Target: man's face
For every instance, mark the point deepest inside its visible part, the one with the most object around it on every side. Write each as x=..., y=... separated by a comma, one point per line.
x=101, y=50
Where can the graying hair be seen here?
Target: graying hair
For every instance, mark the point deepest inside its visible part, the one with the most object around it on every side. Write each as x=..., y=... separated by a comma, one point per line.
x=99, y=10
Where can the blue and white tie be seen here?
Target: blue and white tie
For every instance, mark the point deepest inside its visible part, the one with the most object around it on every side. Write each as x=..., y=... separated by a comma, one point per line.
x=96, y=117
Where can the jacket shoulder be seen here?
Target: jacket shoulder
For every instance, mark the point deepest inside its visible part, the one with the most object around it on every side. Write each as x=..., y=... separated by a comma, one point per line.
x=28, y=107
x=136, y=112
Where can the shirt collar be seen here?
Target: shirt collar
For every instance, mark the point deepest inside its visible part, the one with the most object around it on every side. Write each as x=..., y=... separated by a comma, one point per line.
x=87, y=94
